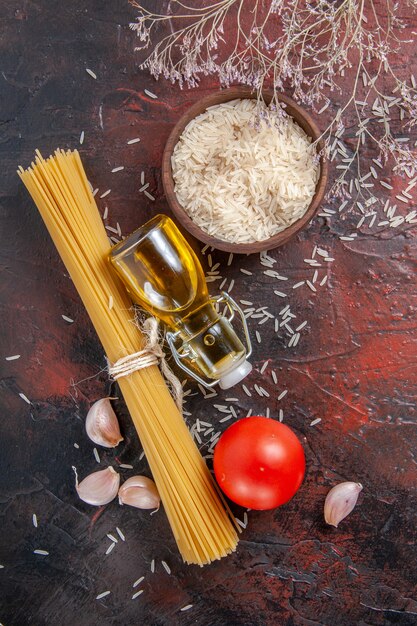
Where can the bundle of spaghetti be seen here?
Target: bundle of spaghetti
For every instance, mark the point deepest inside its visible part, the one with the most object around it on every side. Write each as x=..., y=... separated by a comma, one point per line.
x=202, y=524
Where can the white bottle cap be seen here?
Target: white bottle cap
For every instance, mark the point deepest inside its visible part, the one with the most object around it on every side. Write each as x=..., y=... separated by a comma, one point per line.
x=235, y=376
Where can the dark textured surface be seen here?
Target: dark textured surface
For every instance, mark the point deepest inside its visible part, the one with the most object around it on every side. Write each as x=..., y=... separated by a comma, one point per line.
x=354, y=367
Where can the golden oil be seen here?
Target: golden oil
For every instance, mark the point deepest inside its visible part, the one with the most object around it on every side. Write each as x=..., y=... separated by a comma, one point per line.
x=164, y=276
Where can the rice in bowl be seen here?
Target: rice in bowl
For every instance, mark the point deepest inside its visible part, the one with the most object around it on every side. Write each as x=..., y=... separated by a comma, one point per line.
x=242, y=181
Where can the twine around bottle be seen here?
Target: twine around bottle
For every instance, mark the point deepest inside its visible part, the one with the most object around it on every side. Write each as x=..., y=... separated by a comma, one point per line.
x=151, y=354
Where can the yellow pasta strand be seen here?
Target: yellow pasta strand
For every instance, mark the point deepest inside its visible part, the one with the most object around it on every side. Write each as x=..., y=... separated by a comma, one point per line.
x=203, y=526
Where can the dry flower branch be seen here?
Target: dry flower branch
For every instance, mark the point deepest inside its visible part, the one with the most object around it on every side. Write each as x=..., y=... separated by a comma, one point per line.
x=322, y=52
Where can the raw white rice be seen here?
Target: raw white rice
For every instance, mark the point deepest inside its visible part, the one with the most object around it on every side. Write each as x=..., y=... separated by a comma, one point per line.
x=102, y=595
x=316, y=421
x=241, y=181
x=121, y=535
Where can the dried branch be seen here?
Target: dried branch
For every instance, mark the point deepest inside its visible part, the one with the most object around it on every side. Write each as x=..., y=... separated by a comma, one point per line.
x=310, y=48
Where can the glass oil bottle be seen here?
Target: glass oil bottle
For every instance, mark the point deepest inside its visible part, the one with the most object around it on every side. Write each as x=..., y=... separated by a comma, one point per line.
x=163, y=275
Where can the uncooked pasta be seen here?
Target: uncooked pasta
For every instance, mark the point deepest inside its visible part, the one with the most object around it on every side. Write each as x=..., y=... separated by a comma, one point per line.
x=202, y=524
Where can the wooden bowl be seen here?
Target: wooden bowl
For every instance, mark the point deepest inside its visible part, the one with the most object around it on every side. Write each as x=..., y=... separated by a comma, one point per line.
x=299, y=115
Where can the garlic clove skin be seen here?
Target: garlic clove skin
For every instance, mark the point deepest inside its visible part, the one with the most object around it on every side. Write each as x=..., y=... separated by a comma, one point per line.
x=340, y=501
x=141, y=492
x=102, y=425
x=99, y=487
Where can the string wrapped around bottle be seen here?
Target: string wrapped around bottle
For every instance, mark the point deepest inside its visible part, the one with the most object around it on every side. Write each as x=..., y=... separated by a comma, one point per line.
x=151, y=354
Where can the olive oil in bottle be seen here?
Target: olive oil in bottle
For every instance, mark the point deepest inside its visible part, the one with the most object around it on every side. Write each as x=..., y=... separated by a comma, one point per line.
x=163, y=275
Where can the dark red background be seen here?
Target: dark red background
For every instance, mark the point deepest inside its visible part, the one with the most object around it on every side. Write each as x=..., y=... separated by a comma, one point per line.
x=354, y=367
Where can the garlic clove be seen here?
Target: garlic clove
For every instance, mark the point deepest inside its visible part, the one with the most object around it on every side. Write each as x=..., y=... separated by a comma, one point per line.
x=102, y=425
x=140, y=492
x=340, y=501
x=99, y=487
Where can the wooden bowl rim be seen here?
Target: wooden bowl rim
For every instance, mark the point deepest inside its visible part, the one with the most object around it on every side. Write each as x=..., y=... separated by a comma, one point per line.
x=301, y=116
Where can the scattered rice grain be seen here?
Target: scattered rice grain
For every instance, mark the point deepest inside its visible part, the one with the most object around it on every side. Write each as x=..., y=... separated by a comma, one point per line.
x=301, y=326
x=25, y=398
x=246, y=390
x=386, y=185
x=121, y=535
x=316, y=421
x=103, y=595
x=402, y=198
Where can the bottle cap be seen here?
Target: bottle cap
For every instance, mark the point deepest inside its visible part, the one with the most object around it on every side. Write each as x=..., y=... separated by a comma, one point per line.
x=235, y=375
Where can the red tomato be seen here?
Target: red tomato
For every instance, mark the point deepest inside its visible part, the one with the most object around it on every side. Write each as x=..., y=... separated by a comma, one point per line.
x=259, y=463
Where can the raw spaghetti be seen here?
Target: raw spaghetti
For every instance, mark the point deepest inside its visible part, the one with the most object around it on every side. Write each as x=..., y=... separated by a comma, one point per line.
x=199, y=517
